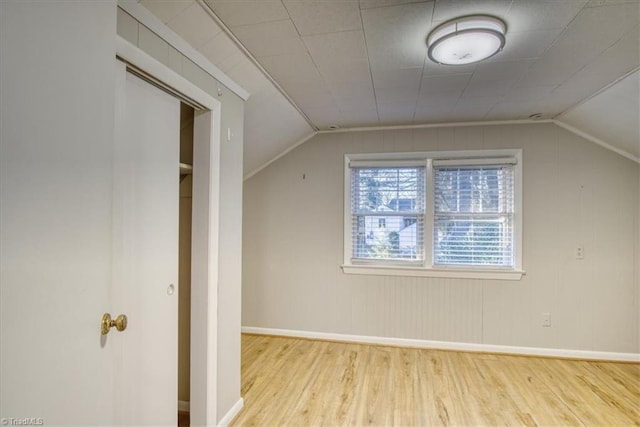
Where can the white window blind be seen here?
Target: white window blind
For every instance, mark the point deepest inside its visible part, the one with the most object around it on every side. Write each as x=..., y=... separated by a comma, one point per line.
x=473, y=214
x=387, y=213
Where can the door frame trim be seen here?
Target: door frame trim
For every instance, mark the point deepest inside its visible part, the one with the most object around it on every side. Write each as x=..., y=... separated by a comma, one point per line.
x=149, y=20
x=205, y=220
x=141, y=60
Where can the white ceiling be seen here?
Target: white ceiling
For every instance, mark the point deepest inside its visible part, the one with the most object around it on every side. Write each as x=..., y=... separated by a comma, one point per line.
x=272, y=123
x=611, y=115
x=352, y=63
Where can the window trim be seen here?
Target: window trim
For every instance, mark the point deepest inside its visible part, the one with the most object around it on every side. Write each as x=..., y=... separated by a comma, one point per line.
x=426, y=267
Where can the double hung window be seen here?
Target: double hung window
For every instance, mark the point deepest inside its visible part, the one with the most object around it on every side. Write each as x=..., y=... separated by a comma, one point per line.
x=387, y=213
x=473, y=214
x=454, y=214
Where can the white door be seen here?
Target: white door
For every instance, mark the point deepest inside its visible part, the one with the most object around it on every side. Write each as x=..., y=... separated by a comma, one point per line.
x=145, y=252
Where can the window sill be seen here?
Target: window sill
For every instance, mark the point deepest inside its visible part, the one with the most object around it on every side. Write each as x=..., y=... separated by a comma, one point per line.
x=454, y=273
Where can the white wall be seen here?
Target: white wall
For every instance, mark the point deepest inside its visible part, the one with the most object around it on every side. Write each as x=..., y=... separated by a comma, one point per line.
x=575, y=193
x=231, y=172
x=638, y=258
x=230, y=258
x=56, y=140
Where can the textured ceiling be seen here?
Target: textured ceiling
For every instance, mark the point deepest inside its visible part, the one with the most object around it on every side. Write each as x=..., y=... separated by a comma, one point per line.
x=350, y=63
x=611, y=115
x=272, y=124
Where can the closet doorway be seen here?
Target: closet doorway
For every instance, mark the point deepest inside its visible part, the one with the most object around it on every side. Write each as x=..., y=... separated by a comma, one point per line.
x=147, y=212
x=184, y=262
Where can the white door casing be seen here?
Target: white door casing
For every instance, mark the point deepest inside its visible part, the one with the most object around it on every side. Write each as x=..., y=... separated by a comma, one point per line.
x=205, y=219
x=145, y=252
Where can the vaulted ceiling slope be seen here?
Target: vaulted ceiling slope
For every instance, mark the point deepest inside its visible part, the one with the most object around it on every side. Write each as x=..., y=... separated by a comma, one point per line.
x=272, y=124
x=355, y=63
x=611, y=115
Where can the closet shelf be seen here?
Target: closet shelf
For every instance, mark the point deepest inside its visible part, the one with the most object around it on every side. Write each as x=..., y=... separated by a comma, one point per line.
x=186, y=169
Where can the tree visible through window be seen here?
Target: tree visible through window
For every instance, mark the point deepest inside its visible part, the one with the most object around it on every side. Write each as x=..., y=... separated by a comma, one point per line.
x=444, y=211
x=473, y=220
x=388, y=212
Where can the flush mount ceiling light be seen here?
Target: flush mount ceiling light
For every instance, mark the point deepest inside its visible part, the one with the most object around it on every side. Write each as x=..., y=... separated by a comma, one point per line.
x=466, y=40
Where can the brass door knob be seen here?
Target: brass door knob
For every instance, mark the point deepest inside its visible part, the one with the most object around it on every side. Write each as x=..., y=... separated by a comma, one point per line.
x=120, y=323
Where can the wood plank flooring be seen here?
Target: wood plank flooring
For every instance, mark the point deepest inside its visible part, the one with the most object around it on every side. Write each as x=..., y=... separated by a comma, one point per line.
x=297, y=382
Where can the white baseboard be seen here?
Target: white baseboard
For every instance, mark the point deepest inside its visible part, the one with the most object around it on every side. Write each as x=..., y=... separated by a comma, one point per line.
x=183, y=406
x=231, y=414
x=446, y=345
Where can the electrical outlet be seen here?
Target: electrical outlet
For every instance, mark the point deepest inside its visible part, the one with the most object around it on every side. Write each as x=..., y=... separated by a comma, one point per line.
x=580, y=252
x=546, y=320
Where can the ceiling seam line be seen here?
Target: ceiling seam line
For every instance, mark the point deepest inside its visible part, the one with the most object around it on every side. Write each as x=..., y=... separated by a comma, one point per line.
x=254, y=61
x=564, y=30
x=598, y=92
x=313, y=61
x=582, y=101
x=437, y=125
x=552, y=45
x=585, y=66
x=147, y=19
x=459, y=98
x=415, y=106
x=424, y=65
x=260, y=23
x=321, y=34
x=366, y=49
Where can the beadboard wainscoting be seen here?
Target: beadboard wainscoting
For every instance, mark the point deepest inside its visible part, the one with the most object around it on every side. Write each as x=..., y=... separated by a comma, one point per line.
x=575, y=194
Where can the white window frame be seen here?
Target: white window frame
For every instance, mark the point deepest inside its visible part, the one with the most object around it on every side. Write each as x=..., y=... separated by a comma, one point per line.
x=427, y=269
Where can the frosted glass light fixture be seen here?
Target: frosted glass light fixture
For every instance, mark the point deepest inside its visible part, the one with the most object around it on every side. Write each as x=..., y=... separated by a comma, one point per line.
x=466, y=40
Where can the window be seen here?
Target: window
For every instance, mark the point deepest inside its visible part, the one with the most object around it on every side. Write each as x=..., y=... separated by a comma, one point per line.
x=453, y=214
x=379, y=215
x=473, y=215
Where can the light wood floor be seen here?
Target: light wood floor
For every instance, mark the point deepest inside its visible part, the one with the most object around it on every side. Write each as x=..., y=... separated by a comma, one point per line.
x=299, y=382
